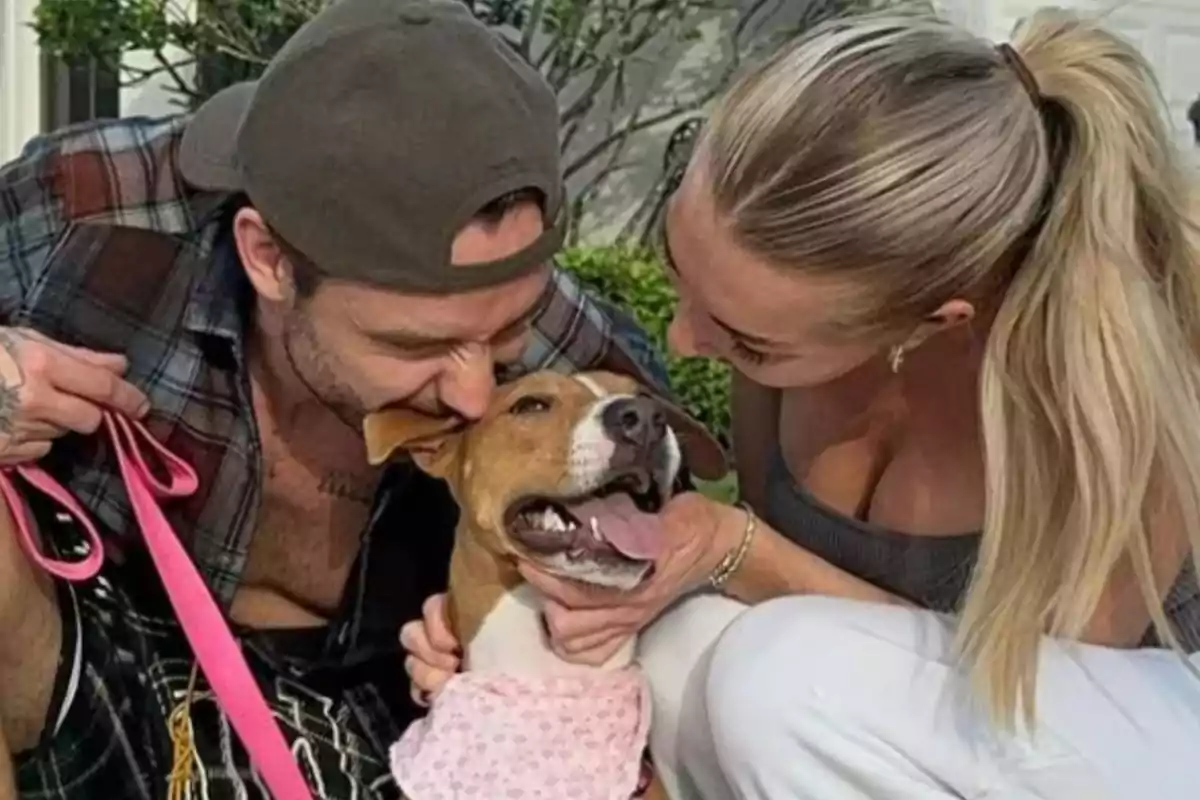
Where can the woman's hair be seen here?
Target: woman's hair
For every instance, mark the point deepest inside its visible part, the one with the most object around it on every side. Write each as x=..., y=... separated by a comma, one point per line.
x=913, y=159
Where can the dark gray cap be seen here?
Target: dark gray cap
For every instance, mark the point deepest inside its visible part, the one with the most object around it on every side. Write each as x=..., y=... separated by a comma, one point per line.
x=376, y=133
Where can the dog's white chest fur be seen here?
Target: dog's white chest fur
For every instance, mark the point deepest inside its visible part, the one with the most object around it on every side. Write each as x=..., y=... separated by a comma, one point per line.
x=512, y=640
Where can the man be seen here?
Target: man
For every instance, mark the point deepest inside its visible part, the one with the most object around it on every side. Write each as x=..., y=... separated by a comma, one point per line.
x=369, y=224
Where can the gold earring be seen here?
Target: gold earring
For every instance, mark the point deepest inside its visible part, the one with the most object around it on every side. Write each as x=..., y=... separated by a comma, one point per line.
x=896, y=358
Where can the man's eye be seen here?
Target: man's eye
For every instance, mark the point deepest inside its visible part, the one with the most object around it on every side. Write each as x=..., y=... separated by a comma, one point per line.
x=415, y=351
x=530, y=404
x=514, y=333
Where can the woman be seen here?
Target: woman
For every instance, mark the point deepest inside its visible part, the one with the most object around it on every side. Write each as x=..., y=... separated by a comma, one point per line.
x=959, y=285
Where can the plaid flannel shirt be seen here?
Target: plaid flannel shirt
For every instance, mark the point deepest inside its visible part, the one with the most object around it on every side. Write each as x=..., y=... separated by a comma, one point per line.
x=102, y=245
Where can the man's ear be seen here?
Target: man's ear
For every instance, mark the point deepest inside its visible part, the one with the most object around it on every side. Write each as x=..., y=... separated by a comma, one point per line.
x=432, y=442
x=261, y=256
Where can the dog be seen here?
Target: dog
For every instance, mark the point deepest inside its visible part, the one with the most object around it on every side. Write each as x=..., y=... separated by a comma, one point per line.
x=567, y=472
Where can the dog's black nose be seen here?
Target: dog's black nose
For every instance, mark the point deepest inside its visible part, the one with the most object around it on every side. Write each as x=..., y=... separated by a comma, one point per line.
x=636, y=421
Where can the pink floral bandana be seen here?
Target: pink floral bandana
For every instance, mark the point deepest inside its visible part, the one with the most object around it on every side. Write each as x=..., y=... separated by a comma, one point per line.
x=498, y=737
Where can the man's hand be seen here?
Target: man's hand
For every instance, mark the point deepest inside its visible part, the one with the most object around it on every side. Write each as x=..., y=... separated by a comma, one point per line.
x=587, y=625
x=48, y=389
x=433, y=652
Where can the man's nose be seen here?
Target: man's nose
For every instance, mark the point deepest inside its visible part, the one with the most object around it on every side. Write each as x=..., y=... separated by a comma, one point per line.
x=638, y=422
x=467, y=386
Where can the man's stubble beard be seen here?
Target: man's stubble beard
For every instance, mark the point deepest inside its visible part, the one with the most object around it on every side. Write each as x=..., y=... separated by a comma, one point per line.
x=317, y=369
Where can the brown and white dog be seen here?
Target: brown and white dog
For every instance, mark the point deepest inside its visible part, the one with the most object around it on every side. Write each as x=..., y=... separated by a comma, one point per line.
x=567, y=472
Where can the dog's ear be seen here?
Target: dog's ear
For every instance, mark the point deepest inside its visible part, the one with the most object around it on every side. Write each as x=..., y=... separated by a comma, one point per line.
x=432, y=442
x=703, y=455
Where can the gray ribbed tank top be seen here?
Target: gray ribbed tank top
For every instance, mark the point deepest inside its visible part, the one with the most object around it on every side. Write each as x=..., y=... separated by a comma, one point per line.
x=930, y=571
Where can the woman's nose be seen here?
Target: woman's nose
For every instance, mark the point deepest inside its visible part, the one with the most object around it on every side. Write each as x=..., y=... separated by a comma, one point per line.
x=681, y=336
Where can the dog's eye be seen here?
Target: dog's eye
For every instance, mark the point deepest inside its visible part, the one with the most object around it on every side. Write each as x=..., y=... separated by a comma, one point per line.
x=530, y=404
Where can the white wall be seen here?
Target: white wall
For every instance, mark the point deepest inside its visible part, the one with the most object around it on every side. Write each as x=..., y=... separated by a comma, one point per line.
x=1166, y=31
x=20, y=77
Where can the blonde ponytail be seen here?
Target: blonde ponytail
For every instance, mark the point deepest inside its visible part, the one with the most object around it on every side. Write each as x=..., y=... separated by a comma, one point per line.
x=1091, y=381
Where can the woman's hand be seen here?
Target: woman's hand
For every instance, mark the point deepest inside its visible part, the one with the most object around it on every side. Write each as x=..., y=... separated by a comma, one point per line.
x=587, y=625
x=433, y=652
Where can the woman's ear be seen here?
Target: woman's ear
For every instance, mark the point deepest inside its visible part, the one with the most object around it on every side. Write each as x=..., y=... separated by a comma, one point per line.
x=950, y=314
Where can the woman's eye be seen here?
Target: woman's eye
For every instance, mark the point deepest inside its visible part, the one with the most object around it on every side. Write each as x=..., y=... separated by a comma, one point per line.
x=748, y=354
x=529, y=405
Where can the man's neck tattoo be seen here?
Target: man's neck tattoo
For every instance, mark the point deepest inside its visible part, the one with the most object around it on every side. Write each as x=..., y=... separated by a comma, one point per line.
x=347, y=486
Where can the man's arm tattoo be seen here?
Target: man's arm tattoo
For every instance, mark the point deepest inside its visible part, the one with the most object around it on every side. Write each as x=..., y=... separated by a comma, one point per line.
x=12, y=378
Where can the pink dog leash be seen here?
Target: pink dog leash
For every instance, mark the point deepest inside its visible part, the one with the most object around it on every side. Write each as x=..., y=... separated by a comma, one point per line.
x=217, y=652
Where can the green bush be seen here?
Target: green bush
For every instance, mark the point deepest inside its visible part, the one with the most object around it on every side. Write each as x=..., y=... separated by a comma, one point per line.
x=633, y=278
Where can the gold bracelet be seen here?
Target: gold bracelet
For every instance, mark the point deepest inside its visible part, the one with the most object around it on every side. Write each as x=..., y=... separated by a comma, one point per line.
x=732, y=561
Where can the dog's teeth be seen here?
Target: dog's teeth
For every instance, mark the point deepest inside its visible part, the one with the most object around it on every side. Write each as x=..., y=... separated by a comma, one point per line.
x=551, y=521
x=595, y=526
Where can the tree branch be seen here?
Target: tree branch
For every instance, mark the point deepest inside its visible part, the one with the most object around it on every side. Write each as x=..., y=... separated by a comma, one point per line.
x=648, y=207
x=583, y=104
x=229, y=34
x=185, y=88
x=600, y=147
x=548, y=53
x=560, y=73
x=746, y=18
x=533, y=24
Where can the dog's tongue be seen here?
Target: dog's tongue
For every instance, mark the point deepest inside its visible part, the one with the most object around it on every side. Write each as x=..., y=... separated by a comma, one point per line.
x=634, y=533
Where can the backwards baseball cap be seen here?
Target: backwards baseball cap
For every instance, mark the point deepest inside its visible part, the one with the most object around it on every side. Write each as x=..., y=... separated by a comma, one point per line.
x=377, y=133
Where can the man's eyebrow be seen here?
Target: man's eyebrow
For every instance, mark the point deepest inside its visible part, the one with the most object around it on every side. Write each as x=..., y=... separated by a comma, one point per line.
x=406, y=338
